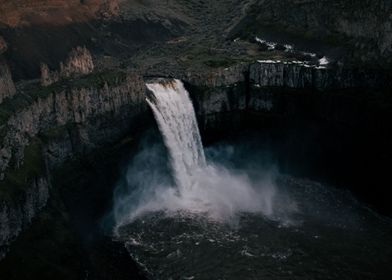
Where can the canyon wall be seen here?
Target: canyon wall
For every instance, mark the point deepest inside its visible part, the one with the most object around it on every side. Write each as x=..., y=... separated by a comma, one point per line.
x=332, y=123
x=47, y=126
x=364, y=26
x=258, y=87
x=51, y=125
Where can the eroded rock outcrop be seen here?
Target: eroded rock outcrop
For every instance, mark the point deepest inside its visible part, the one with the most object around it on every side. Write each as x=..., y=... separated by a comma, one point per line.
x=7, y=87
x=79, y=62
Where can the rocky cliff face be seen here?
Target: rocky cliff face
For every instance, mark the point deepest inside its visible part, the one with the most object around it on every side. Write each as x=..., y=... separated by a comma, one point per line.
x=331, y=123
x=16, y=215
x=67, y=120
x=297, y=75
x=78, y=63
x=7, y=87
x=77, y=106
x=252, y=86
x=364, y=26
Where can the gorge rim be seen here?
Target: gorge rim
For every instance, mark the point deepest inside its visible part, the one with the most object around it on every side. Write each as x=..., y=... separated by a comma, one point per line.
x=195, y=139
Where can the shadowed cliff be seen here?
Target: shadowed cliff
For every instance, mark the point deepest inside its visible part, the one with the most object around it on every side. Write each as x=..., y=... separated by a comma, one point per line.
x=93, y=57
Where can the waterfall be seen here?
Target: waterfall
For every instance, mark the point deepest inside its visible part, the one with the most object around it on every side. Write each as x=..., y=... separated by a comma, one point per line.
x=200, y=187
x=176, y=118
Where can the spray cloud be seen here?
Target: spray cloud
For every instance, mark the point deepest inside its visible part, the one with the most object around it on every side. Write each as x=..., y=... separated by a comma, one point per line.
x=188, y=183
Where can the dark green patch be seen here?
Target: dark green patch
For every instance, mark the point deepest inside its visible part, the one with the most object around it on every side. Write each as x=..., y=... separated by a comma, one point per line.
x=18, y=179
x=48, y=250
x=220, y=63
x=56, y=133
x=109, y=77
x=65, y=240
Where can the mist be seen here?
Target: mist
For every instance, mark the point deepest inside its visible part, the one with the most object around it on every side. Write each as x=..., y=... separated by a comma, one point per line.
x=222, y=190
x=180, y=177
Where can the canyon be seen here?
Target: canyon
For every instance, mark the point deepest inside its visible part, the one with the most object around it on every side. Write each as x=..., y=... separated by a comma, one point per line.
x=62, y=101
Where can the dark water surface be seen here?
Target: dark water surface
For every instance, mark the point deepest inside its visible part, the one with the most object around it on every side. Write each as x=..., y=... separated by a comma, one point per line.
x=329, y=236
x=312, y=230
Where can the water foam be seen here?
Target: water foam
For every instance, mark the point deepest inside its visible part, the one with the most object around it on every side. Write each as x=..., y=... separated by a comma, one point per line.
x=201, y=187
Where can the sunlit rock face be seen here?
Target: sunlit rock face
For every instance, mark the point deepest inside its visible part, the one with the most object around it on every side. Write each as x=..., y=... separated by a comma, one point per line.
x=79, y=62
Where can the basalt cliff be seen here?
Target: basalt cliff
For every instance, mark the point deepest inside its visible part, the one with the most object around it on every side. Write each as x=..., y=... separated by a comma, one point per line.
x=72, y=92
x=362, y=27
x=48, y=126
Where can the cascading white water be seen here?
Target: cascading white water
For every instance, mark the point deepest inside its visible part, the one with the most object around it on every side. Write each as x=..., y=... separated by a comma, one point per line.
x=200, y=187
x=177, y=122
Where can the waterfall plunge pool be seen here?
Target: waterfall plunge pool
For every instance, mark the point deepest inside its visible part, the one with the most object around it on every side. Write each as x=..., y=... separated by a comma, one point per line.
x=234, y=215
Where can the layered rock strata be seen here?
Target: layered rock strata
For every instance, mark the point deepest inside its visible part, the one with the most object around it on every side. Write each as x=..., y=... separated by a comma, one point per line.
x=364, y=26
x=51, y=125
x=258, y=87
